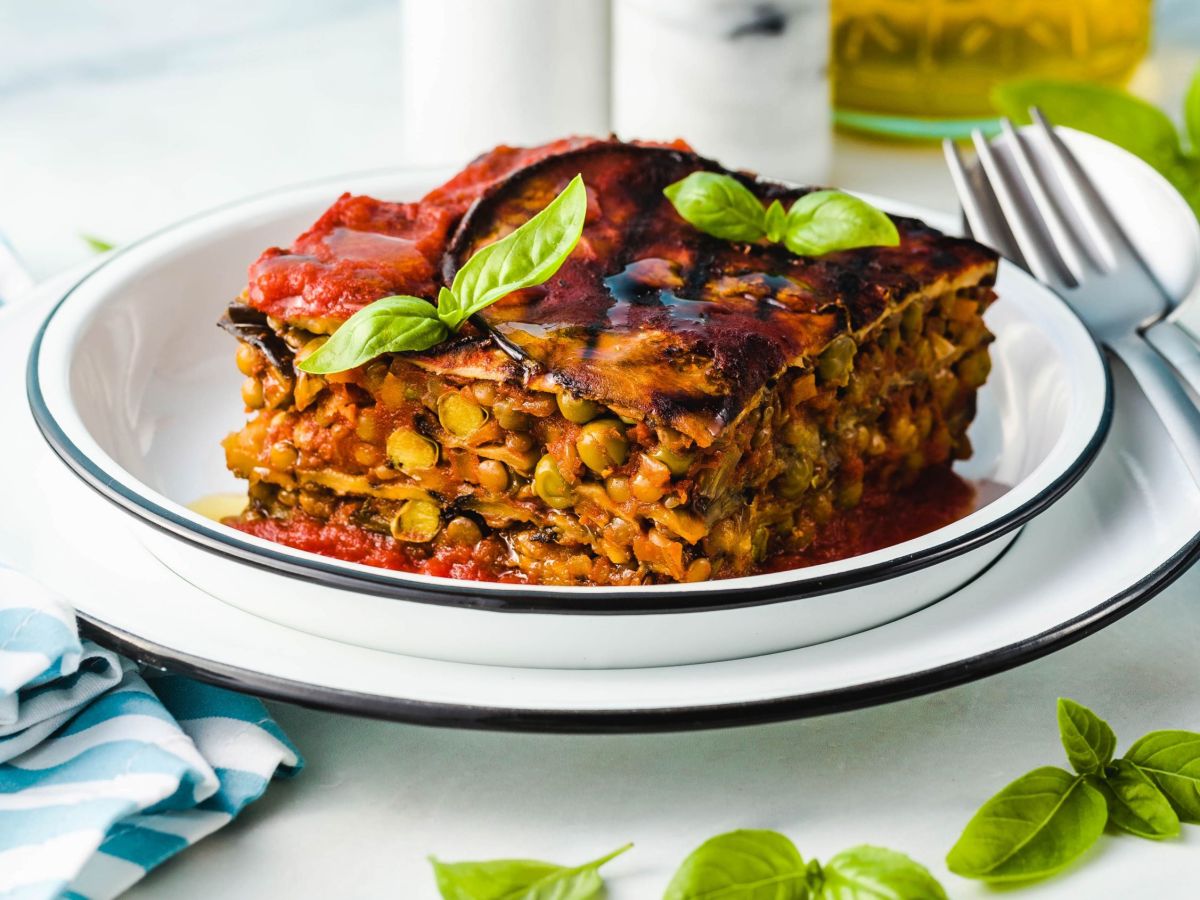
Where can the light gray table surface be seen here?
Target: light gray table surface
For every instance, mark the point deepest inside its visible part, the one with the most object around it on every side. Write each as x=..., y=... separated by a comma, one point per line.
x=120, y=136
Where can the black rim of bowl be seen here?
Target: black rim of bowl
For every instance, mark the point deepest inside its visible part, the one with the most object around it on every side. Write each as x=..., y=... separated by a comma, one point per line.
x=635, y=721
x=229, y=543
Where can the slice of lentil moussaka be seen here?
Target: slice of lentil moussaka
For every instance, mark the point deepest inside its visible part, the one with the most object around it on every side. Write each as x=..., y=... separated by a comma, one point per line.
x=669, y=406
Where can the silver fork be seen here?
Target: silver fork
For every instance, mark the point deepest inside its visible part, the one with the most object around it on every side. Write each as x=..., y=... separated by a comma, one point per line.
x=1030, y=199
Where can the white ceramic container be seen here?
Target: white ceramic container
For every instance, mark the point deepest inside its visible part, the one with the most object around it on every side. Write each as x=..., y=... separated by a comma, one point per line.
x=133, y=385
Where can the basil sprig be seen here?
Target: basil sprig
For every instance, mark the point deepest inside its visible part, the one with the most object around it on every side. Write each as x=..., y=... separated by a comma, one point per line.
x=818, y=223
x=745, y=865
x=526, y=257
x=1047, y=818
x=520, y=879
x=1120, y=118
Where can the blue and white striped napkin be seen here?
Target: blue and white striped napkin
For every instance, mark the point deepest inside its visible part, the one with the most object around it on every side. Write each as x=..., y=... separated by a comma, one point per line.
x=105, y=774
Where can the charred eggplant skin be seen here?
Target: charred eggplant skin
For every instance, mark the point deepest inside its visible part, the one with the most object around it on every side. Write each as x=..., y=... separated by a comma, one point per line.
x=250, y=326
x=652, y=315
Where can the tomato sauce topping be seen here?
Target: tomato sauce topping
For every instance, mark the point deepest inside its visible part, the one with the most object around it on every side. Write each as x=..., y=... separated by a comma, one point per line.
x=362, y=249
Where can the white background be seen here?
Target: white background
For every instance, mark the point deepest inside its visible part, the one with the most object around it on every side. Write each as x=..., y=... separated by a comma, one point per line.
x=119, y=117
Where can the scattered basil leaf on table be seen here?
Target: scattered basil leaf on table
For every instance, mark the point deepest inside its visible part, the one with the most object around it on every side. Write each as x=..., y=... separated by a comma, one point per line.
x=1087, y=738
x=1135, y=804
x=1172, y=760
x=819, y=222
x=825, y=221
x=876, y=873
x=98, y=245
x=1033, y=827
x=526, y=257
x=1116, y=116
x=740, y=865
x=520, y=879
x=765, y=865
x=1191, y=113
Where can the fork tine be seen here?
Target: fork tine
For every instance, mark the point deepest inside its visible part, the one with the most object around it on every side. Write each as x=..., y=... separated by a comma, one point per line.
x=1071, y=248
x=980, y=208
x=1093, y=212
x=1026, y=224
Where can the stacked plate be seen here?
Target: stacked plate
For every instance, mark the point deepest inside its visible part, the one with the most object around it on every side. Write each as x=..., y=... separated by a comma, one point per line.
x=1089, y=512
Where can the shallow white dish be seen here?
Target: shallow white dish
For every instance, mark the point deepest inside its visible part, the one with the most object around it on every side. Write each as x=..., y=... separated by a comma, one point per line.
x=1126, y=530
x=133, y=386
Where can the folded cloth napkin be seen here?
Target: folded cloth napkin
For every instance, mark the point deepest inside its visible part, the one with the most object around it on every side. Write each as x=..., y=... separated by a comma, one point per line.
x=103, y=773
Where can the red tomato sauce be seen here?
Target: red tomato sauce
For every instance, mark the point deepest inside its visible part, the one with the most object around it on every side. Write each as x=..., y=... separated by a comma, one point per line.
x=936, y=499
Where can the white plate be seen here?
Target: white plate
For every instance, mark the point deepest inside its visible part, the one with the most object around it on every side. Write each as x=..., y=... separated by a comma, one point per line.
x=1123, y=533
x=134, y=387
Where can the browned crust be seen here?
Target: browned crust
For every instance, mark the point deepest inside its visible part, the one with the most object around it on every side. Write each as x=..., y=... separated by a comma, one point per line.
x=651, y=317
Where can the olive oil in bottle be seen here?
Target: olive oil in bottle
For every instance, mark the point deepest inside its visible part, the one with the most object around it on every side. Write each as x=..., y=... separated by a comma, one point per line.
x=924, y=68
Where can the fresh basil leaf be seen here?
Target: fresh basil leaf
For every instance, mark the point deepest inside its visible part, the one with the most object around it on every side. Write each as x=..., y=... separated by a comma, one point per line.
x=526, y=257
x=1087, y=738
x=98, y=245
x=825, y=221
x=1034, y=827
x=1135, y=804
x=1172, y=759
x=775, y=222
x=520, y=879
x=719, y=205
x=876, y=873
x=1191, y=112
x=742, y=865
x=1109, y=113
x=388, y=325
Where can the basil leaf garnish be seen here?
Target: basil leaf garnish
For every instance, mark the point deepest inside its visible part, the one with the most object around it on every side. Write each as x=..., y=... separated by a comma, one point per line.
x=741, y=864
x=719, y=205
x=817, y=223
x=1172, y=760
x=526, y=257
x=520, y=879
x=1135, y=804
x=389, y=325
x=825, y=221
x=876, y=873
x=1033, y=827
x=775, y=222
x=1087, y=738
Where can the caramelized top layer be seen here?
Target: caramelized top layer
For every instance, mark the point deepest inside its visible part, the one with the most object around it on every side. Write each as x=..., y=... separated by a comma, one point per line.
x=648, y=315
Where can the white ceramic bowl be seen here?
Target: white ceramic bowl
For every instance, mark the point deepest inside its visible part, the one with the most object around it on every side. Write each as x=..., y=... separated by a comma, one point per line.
x=133, y=386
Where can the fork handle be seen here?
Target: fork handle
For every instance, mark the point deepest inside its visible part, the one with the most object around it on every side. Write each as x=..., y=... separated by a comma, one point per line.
x=1166, y=394
x=1178, y=348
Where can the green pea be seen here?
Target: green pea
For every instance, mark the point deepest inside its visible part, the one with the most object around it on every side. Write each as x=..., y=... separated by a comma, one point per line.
x=602, y=445
x=575, y=409
x=677, y=462
x=406, y=449
x=459, y=414
x=549, y=484
x=837, y=361
x=417, y=521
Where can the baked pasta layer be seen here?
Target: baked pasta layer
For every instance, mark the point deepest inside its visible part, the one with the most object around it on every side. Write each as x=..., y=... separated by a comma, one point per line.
x=668, y=407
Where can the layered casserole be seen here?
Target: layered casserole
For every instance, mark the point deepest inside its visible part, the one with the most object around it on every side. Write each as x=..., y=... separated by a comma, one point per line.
x=668, y=407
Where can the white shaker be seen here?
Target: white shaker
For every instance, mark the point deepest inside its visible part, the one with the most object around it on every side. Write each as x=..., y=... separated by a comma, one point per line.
x=476, y=73
x=742, y=81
